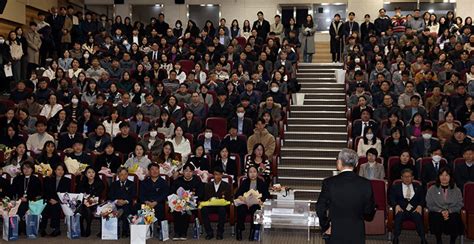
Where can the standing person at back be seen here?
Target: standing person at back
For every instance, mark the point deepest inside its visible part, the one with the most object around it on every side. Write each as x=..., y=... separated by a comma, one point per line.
x=346, y=200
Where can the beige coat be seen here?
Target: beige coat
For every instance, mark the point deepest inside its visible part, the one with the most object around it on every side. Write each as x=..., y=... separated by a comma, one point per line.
x=33, y=39
x=66, y=38
x=265, y=138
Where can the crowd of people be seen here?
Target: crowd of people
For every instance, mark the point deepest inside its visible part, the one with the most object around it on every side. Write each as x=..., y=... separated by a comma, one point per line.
x=410, y=87
x=117, y=95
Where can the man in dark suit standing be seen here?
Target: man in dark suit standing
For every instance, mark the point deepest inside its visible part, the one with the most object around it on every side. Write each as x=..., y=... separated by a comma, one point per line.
x=218, y=189
x=122, y=192
x=346, y=200
x=262, y=26
x=407, y=199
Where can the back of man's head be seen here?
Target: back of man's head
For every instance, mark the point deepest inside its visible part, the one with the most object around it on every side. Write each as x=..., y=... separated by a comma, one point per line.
x=347, y=158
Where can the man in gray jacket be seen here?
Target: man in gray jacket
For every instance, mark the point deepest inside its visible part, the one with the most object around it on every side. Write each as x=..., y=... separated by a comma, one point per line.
x=416, y=22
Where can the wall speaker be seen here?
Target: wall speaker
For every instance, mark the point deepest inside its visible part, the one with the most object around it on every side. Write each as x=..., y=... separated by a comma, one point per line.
x=179, y=1
x=119, y=1
x=3, y=4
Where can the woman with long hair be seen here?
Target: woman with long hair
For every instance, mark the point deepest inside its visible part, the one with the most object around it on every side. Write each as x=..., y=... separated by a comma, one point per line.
x=259, y=159
x=49, y=155
x=91, y=185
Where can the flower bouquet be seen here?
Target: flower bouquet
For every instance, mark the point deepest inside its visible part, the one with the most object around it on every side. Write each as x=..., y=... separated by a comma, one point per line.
x=7, y=152
x=9, y=207
x=12, y=170
x=261, y=168
x=145, y=216
x=167, y=169
x=90, y=200
x=44, y=169
x=73, y=166
x=71, y=202
x=214, y=202
x=250, y=198
x=108, y=210
x=140, y=172
x=183, y=201
x=203, y=174
x=106, y=171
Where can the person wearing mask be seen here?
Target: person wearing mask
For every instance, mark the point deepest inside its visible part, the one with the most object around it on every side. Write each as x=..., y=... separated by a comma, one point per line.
x=244, y=125
x=122, y=192
x=422, y=147
x=444, y=201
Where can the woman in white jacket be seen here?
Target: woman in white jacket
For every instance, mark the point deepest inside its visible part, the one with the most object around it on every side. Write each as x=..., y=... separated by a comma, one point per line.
x=180, y=143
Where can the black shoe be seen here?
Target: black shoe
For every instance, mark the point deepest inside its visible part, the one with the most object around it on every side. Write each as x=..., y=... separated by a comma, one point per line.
x=99, y=235
x=252, y=234
x=424, y=242
x=219, y=237
x=55, y=233
x=395, y=241
x=209, y=236
x=125, y=235
x=42, y=233
x=238, y=235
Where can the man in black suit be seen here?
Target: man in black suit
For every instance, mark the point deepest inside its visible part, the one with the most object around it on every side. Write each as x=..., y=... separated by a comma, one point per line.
x=222, y=108
x=217, y=189
x=67, y=139
x=235, y=144
x=262, y=26
x=366, y=121
x=210, y=142
x=122, y=192
x=346, y=200
x=465, y=172
x=429, y=171
x=244, y=125
x=53, y=184
x=423, y=146
x=408, y=200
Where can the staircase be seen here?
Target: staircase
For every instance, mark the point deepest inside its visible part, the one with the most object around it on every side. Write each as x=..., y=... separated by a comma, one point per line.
x=315, y=133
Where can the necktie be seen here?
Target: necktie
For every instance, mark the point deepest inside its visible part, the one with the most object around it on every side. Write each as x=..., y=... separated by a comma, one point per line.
x=408, y=196
x=122, y=185
x=436, y=167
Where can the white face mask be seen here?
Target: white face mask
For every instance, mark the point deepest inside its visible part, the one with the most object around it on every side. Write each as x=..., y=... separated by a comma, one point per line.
x=426, y=136
x=436, y=158
x=74, y=100
x=357, y=68
x=274, y=89
x=208, y=135
x=357, y=60
x=125, y=43
x=178, y=26
x=240, y=115
x=369, y=136
x=86, y=55
x=153, y=133
x=2, y=41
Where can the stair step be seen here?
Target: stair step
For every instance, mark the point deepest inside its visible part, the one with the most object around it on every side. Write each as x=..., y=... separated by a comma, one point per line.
x=324, y=101
x=330, y=94
x=316, y=79
x=304, y=173
x=325, y=120
x=315, y=75
x=310, y=152
x=319, y=88
x=304, y=70
x=319, y=108
x=311, y=162
x=303, y=182
x=312, y=114
x=316, y=135
x=314, y=143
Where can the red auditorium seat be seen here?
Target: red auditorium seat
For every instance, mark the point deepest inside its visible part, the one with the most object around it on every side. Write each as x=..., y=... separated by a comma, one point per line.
x=218, y=125
x=468, y=212
x=377, y=225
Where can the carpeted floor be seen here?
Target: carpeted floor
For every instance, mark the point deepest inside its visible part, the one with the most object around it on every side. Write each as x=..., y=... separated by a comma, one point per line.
x=275, y=237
